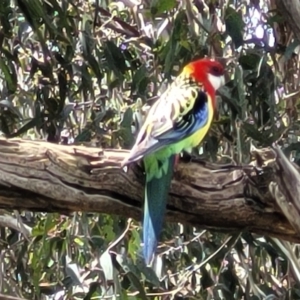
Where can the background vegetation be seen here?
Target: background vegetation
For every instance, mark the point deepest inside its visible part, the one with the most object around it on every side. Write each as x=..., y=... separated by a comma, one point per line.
x=80, y=72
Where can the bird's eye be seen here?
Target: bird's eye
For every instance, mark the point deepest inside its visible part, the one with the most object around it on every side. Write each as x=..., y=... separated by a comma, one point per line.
x=217, y=70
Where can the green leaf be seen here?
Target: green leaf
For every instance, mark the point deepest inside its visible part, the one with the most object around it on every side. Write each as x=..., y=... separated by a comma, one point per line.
x=170, y=53
x=239, y=83
x=9, y=105
x=115, y=59
x=35, y=122
x=79, y=241
x=130, y=271
x=234, y=26
x=134, y=244
x=148, y=272
x=5, y=11
x=84, y=136
x=249, y=61
x=125, y=133
x=138, y=78
x=290, y=49
x=10, y=75
x=63, y=88
x=94, y=65
x=160, y=6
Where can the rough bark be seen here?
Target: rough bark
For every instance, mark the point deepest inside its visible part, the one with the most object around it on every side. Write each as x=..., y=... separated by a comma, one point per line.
x=290, y=10
x=41, y=176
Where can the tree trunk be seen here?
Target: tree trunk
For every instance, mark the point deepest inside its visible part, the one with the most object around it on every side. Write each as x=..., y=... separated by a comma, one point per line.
x=40, y=176
x=290, y=10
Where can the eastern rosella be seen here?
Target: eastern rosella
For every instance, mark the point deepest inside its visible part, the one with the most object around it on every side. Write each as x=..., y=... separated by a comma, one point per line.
x=178, y=121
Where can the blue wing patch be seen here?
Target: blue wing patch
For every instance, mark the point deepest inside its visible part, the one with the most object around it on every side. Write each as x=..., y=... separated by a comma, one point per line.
x=190, y=123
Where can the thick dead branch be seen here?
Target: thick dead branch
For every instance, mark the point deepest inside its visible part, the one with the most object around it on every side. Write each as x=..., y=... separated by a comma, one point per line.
x=48, y=177
x=286, y=188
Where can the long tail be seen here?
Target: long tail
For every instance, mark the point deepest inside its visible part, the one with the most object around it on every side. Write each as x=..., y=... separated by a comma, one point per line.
x=156, y=195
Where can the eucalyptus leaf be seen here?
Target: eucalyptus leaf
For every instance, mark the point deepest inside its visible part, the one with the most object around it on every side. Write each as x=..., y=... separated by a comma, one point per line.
x=234, y=26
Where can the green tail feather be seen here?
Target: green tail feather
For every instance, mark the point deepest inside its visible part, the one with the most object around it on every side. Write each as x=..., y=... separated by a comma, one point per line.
x=156, y=195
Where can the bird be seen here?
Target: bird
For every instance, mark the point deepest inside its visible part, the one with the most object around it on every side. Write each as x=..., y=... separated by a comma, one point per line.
x=176, y=122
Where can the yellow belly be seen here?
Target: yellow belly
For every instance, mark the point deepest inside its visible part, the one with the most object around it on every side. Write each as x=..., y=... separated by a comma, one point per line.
x=157, y=169
x=196, y=138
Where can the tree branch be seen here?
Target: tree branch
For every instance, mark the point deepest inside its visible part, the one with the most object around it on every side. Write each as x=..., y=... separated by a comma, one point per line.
x=40, y=176
x=290, y=10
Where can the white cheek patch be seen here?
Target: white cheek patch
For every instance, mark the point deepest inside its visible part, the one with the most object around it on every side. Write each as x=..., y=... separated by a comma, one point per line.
x=216, y=81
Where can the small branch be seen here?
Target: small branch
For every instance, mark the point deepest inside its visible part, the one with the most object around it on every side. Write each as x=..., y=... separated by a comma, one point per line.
x=14, y=223
x=6, y=297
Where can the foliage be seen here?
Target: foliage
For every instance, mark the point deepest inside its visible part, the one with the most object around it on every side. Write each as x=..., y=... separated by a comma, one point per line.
x=75, y=71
